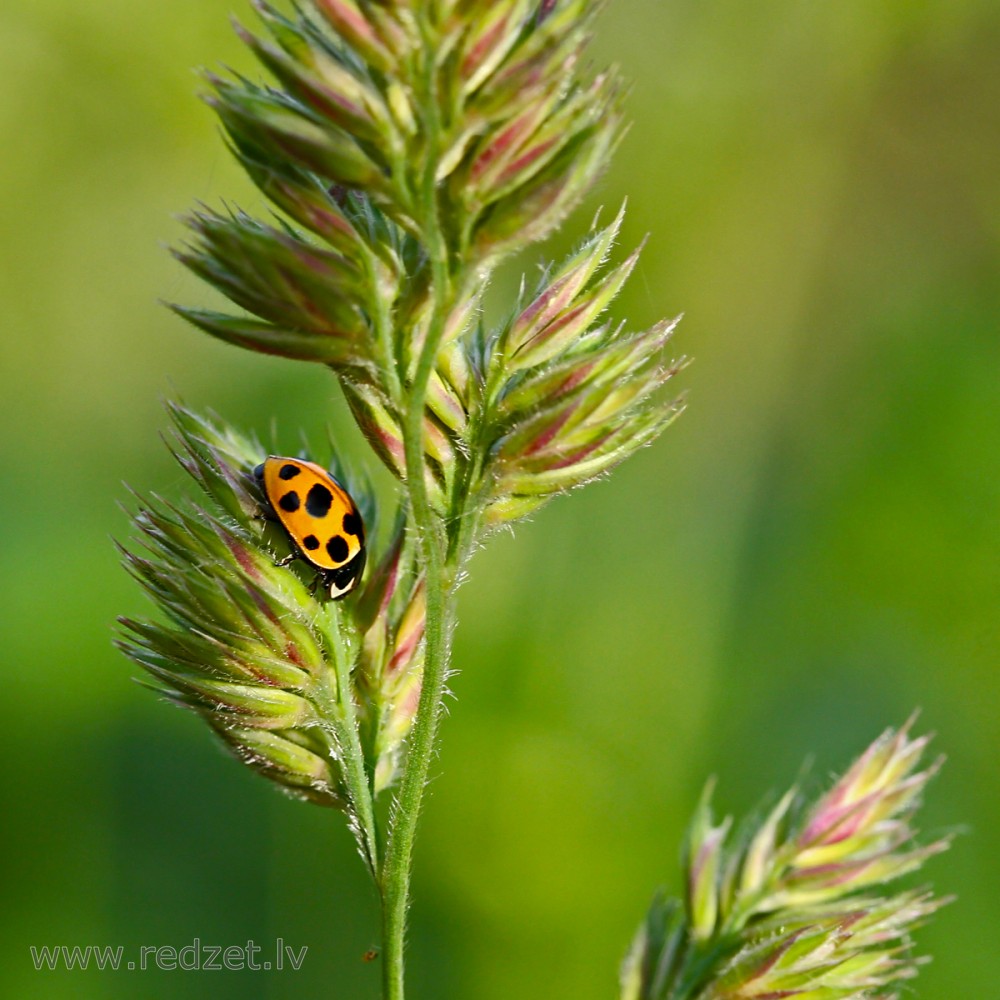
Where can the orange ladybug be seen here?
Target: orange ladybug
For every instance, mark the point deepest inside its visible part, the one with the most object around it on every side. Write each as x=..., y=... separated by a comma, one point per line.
x=320, y=518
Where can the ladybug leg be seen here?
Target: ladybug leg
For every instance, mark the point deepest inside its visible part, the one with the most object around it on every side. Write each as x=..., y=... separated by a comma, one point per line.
x=288, y=560
x=264, y=511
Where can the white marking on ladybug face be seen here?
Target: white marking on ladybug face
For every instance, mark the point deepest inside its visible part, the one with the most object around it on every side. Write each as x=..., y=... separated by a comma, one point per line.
x=336, y=591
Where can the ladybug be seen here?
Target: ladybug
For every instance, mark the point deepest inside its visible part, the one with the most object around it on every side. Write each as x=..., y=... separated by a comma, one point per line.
x=320, y=518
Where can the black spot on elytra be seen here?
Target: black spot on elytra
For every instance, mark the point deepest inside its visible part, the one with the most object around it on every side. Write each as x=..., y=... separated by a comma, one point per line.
x=290, y=502
x=352, y=524
x=337, y=548
x=288, y=471
x=318, y=500
x=310, y=542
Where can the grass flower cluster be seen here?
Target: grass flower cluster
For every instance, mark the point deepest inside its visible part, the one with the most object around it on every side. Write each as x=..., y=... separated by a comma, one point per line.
x=792, y=907
x=408, y=150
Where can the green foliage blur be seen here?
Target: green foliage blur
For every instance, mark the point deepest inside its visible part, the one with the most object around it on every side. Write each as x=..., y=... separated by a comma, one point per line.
x=806, y=556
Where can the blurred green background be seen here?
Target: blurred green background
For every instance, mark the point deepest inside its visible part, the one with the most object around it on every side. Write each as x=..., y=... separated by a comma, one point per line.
x=809, y=554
